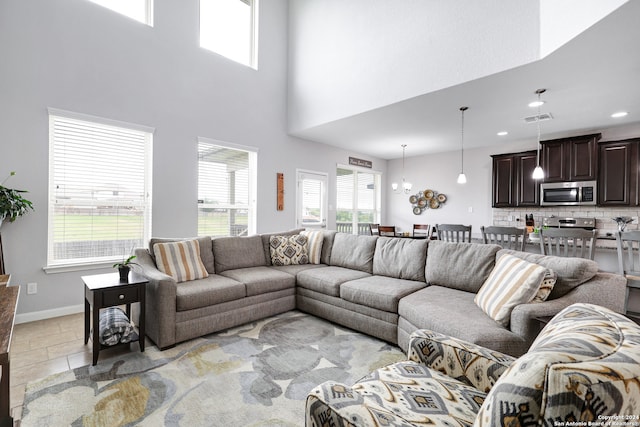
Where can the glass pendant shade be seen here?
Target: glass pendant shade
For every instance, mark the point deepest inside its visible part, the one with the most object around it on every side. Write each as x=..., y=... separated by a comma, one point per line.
x=462, y=178
x=538, y=173
x=406, y=186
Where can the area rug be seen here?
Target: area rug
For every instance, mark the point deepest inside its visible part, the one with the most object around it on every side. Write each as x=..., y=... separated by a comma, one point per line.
x=253, y=375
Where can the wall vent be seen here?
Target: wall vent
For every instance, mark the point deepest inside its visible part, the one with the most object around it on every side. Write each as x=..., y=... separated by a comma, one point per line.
x=543, y=117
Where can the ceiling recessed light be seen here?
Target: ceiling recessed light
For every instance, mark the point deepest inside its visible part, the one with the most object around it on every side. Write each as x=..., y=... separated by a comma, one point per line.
x=619, y=114
x=503, y=133
x=536, y=104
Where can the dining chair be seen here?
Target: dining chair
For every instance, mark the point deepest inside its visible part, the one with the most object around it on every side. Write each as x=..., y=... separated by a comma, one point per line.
x=568, y=242
x=454, y=232
x=628, y=243
x=387, y=230
x=421, y=231
x=507, y=237
x=373, y=229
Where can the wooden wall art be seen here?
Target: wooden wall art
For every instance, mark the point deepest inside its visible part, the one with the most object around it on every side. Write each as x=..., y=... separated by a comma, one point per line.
x=280, y=191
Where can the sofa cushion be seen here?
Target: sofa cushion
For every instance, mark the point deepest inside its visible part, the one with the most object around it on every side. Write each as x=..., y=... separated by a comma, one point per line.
x=572, y=272
x=400, y=258
x=584, y=364
x=295, y=269
x=314, y=245
x=266, y=240
x=327, y=280
x=260, y=280
x=379, y=292
x=238, y=252
x=180, y=260
x=213, y=290
x=206, y=249
x=354, y=252
x=289, y=250
x=512, y=281
x=453, y=312
x=463, y=266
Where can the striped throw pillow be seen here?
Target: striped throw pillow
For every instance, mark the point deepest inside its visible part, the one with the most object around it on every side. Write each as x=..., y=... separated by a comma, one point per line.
x=180, y=260
x=512, y=281
x=314, y=245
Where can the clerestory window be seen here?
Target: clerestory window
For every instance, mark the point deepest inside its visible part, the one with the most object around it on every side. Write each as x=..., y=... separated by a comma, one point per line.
x=140, y=10
x=230, y=28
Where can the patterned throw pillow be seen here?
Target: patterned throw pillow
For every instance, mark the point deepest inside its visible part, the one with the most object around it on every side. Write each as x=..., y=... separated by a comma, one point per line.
x=180, y=260
x=314, y=246
x=512, y=281
x=288, y=250
x=549, y=281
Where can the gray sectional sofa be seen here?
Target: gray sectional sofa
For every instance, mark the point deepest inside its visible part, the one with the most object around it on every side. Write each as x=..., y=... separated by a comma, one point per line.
x=382, y=286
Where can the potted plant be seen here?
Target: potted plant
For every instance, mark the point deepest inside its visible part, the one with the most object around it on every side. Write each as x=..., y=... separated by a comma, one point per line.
x=124, y=268
x=535, y=235
x=12, y=204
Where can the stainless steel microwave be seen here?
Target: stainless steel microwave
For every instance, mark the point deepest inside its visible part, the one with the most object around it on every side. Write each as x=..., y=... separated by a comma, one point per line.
x=568, y=193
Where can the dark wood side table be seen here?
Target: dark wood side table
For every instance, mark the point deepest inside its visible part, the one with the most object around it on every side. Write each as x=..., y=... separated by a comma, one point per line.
x=8, y=305
x=106, y=290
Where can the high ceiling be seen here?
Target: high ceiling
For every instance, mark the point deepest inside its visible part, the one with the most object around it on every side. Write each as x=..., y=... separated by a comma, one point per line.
x=586, y=80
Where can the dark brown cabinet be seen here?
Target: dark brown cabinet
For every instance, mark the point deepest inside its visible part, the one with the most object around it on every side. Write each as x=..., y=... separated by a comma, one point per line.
x=570, y=159
x=512, y=182
x=618, y=173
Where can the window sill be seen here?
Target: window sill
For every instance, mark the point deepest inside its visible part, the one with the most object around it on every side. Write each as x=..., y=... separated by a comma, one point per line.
x=66, y=268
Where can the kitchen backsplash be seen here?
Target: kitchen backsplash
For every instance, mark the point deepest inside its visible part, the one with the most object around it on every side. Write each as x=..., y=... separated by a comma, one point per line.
x=515, y=217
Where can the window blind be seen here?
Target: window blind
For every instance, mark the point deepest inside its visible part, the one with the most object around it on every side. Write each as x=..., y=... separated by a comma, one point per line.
x=225, y=177
x=99, y=194
x=358, y=200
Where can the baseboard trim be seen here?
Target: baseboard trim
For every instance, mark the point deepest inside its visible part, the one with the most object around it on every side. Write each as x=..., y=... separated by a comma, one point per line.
x=48, y=314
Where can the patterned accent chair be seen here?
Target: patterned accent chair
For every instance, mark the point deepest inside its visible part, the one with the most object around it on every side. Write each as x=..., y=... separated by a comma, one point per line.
x=584, y=366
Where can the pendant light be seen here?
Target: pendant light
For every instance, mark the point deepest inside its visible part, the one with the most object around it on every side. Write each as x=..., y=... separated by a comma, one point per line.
x=462, y=178
x=538, y=173
x=406, y=186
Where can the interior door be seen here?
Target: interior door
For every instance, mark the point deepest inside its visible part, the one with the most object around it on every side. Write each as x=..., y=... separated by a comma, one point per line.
x=311, y=199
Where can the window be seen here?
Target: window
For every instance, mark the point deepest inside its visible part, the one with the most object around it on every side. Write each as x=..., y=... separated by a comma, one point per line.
x=140, y=10
x=358, y=200
x=99, y=188
x=230, y=28
x=226, y=189
x=311, y=199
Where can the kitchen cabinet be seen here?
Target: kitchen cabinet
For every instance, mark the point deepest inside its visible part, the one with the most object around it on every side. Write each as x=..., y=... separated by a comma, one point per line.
x=618, y=173
x=570, y=159
x=512, y=184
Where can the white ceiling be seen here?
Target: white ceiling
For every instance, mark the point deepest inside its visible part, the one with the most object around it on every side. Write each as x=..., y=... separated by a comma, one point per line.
x=589, y=78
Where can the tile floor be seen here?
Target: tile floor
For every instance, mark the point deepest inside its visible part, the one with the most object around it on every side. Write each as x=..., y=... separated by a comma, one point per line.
x=47, y=347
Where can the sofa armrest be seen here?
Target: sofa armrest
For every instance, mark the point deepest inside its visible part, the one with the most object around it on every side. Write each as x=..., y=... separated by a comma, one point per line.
x=477, y=366
x=335, y=404
x=604, y=289
x=160, y=304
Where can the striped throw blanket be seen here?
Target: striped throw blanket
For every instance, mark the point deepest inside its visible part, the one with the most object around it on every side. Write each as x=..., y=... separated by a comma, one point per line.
x=115, y=326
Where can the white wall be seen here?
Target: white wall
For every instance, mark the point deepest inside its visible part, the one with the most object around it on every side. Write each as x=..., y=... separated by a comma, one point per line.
x=77, y=56
x=352, y=56
x=440, y=171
